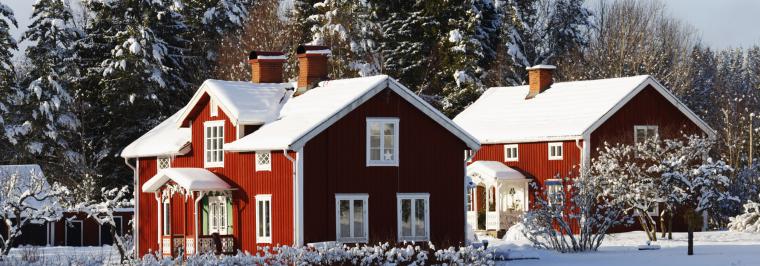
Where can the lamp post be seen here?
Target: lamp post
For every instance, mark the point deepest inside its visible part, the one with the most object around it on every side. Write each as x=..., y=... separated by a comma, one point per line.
x=751, y=129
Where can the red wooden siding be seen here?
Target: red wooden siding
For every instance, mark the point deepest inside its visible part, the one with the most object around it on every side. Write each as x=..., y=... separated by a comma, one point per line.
x=148, y=222
x=533, y=159
x=239, y=172
x=431, y=161
x=649, y=107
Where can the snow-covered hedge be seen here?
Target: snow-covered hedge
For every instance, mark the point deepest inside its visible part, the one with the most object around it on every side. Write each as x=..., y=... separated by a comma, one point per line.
x=749, y=221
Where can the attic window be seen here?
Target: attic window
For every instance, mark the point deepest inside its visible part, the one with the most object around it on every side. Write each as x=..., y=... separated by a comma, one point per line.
x=263, y=161
x=641, y=133
x=213, y=145
x=382, y=141
x=163, y=163
x=213, y=108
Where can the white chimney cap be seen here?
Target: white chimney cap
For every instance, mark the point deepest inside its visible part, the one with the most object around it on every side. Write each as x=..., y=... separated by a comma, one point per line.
x=551, y=67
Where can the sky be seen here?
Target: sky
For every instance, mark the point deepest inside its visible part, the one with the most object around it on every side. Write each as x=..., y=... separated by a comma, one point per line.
x=720, y=23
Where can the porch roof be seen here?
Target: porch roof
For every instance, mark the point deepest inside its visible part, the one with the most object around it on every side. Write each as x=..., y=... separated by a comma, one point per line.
x=192, y=179
x=493, y=171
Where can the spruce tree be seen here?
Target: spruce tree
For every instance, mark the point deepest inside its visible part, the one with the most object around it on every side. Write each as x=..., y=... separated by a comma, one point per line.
x=7, y=75
x=43, y=121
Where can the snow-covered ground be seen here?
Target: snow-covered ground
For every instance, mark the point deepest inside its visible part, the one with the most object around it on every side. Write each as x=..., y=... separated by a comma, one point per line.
x=56, y=255
x=710, y=248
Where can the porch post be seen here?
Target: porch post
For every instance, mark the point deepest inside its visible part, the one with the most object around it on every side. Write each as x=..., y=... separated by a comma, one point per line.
x=158, y=221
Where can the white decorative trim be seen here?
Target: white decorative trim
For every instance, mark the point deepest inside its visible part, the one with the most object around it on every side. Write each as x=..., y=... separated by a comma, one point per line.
x=163, y=162
x=365, y=217
x=516, y=149
x=267, y=237
x=213, y=107
x=263, y=160
x=555, y=145
x=206, y=162
x=166, y=220
x=412, y=196
x=222, y=201
x=383, y=121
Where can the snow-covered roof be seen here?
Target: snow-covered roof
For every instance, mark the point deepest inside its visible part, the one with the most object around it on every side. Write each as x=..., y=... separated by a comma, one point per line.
x=192, y=179
x=164, y=139
x=567, y=110
x=21, y=177
x=493, y=170
x=244, y=102
x=305, y=116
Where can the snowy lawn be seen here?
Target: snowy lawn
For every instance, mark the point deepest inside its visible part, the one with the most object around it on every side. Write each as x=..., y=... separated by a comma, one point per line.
x=710, y=248
x=105, y=254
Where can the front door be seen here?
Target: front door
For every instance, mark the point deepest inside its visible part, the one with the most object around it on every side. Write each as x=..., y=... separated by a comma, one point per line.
x=480, y=203
x=218, y=222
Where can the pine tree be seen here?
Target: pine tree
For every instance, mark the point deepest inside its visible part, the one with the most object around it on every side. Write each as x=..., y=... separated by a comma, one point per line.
x=44, y=121
x=7, y=74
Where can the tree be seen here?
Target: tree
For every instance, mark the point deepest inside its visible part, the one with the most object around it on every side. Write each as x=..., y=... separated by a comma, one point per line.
x=102, y=212
x=43, y=122
x=7, y=71
x=26, y=197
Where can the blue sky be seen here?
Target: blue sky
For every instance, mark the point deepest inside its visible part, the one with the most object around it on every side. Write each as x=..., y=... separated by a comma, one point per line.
x=720, y=23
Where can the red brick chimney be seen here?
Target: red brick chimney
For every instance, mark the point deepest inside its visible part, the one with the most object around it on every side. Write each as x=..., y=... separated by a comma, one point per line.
x=539, y=79
x=266, y=67
x=312, y=66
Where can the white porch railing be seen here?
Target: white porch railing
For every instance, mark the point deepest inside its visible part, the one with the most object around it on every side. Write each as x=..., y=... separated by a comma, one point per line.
x=492, y=221
x=472, y=219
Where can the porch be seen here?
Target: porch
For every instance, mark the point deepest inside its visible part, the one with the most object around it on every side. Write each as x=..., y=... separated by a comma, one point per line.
x=194, y=212
x=498, y=198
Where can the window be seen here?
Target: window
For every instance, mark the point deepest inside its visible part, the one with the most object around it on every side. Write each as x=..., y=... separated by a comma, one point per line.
x=163, y=163
x=213, y=108
x=641, y=133
x=553, y=190
x=166, y=219
x=217, y=212
x=382, y=141
x=555, y=151
x=263, y=161
x=263, y=218
x=214, y=144
x=510, y=153
x=351, y=222
x=413, y=216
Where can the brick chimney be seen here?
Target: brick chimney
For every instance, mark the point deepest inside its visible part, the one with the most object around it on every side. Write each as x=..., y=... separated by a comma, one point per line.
x=539, y=79
x=312, y=66
x=266, y=67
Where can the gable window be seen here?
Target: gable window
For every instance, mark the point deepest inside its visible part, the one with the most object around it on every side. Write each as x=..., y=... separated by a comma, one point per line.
x=555, y=151
x=218, y=217
x=413, y=214
x=641, y=133
x=166, y=219
x=263, y=161
x=382, y=141
x=163, y=163
x=213, y=108
x=351, y=221
x=213, y=145
x=263, y=218
x=510, y=153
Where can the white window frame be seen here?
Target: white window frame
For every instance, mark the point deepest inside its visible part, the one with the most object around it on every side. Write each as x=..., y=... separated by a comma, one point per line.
x=166, y=217
x=551, y=189
x=645, y=128
x=206, y=162
x=213, y=107
x=561, y=150
x=265, y=237
x=516, y=157
x=365, y=217
x=412, y=196
x=263, y=166
x=218, y=201
x=383, y=120
x=163, y=162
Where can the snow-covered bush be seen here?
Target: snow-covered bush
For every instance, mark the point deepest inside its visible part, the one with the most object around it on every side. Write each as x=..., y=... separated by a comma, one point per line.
x=102, y=213
x=749, y=221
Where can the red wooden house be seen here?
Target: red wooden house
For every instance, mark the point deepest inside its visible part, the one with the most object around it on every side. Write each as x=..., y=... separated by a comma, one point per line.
x=246, y=164
x=545, y=130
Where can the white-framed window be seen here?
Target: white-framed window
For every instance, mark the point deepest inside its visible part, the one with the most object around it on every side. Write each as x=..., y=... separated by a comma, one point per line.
x=166, y=220
x=555, y=151
x=511, y=153
x=217, y=215
x=263, y=218
x=641, y=133
x=164, y=162
x=351, y=218
x=263, y=161
x=553, y=190
x=413, y=214
x=213, y=108
x=382, y=141
x=213, y=146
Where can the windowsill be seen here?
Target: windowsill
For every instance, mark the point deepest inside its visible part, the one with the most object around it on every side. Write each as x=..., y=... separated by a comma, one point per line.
x=414, y=239
x=214, y=165
x=512, y=160
x=382, y=164
x=352, y=240
x=267, y=240
x=555, y=158
x=264, y=170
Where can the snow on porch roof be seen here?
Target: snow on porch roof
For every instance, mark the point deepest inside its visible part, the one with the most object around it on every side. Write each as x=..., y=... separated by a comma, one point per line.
x=192, y=179
x=164, y=139
x=567, y=110
x=495, y=170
